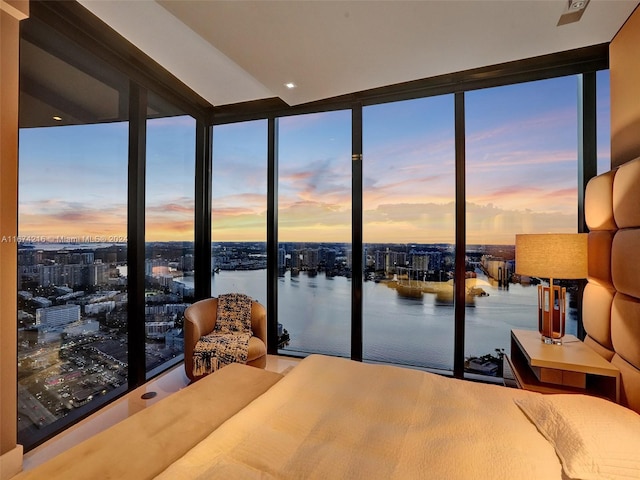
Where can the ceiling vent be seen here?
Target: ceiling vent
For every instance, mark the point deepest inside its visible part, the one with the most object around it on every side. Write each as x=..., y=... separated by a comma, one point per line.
x=573, y=11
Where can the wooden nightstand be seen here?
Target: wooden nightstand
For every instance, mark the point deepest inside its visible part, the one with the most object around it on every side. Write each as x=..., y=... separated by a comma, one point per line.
x=568, y=368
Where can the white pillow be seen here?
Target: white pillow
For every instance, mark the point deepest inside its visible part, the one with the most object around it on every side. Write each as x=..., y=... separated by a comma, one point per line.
x=594, y=438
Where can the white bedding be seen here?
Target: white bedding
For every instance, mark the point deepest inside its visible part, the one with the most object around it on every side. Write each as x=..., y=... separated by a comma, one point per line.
x=334, y=418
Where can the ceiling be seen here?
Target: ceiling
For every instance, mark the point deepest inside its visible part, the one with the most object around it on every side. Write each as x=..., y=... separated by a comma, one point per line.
x=237, y=51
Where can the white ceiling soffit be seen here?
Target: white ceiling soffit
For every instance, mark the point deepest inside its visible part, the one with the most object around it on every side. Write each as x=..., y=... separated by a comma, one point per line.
x=180, y=50
x=235, y=51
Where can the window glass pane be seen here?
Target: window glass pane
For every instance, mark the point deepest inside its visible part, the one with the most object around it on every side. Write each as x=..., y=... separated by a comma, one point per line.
x=409, y=232
x=314, y=230
x=239, y=217
x=72, y=255
x=603, y=121
x=521, y=177
x=169, y=231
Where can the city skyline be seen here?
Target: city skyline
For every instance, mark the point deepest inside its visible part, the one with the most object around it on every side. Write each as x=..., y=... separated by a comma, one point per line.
x=73, y=178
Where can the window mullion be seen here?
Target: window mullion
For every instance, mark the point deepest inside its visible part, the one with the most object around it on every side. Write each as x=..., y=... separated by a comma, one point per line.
x=356, y=235
x=459, y=278
x=136, y=234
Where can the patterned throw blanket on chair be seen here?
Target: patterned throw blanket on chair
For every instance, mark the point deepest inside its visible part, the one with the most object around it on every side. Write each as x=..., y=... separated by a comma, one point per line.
x=229, y=340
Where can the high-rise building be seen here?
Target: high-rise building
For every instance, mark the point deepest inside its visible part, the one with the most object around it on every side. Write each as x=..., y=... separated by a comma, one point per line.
x=58, y=316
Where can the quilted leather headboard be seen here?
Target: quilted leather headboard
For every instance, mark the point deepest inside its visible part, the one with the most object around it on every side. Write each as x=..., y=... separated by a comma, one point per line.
x=611, y=302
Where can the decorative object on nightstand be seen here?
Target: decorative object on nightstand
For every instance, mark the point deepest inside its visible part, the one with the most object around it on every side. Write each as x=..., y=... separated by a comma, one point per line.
x=557, y=255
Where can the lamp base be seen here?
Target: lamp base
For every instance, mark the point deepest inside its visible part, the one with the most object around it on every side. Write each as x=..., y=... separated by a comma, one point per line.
x=551, y=340
x=551, y=313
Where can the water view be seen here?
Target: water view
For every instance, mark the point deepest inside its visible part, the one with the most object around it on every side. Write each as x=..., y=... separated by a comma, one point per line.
x=315, y=310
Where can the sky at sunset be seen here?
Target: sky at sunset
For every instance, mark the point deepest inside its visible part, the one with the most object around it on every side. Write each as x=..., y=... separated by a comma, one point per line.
x=521, y=173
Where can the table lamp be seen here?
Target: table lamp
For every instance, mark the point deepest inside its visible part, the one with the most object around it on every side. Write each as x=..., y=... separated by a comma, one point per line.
x=556, y=255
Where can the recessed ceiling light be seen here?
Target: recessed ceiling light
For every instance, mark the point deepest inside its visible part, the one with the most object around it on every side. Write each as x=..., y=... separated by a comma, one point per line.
x=290, y=85
x=57, y=118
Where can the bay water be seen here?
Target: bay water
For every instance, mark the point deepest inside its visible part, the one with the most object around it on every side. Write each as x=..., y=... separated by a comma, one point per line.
x=409, y=330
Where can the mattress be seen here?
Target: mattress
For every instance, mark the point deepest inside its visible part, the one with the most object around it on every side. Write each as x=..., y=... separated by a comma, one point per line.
x=336, y=418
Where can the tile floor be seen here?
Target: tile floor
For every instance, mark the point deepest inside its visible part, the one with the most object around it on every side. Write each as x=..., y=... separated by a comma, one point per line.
x=164, y=385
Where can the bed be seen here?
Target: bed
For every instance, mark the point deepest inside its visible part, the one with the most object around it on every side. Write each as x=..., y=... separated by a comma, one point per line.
x=335, y=418
x=331, y=418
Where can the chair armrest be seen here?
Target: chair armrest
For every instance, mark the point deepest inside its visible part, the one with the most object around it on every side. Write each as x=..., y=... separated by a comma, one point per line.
x=199, y=320
x=259, y=321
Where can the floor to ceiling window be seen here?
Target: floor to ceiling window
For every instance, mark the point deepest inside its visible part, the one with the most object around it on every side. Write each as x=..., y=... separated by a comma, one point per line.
x=72, y=256
x=239, y=204
x=409, y=232
x=169, y=231
x=314, y=232
x=521, y=177
x=97, y=311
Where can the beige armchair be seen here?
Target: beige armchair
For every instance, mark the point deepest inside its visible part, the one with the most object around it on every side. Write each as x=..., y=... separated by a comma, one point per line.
x=199, y=320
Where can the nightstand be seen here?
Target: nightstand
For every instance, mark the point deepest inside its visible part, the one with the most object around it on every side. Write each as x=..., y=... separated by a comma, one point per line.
x=572, y=367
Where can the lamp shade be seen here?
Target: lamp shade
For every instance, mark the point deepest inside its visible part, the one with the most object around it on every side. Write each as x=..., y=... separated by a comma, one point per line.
x=554, y=255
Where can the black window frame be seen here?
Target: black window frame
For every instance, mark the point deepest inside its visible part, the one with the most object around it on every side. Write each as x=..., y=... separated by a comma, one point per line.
x=96, y=40
x=583, y=62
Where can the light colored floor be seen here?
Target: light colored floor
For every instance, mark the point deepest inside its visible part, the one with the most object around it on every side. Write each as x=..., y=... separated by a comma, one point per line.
x=164, y=385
